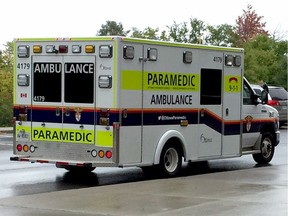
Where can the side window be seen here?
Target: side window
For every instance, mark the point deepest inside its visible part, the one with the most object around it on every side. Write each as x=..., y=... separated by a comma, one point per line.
x=211, y=85
x=247, y=95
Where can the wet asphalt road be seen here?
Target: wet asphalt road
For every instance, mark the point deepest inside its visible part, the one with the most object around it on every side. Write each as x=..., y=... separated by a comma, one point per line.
x=24, y=179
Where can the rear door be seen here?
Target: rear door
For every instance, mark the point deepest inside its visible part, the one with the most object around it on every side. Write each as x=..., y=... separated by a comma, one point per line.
x=79, y=99
x=47, y=84
x=63, y=101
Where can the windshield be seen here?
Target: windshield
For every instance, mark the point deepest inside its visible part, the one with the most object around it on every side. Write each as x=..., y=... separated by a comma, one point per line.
x=278, y=93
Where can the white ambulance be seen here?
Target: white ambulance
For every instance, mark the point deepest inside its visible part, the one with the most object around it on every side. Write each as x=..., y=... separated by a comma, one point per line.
x=82, y=103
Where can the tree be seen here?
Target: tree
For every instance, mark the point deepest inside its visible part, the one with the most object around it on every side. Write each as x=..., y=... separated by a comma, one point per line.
x=197, y=31
x=178, y=32
x=112, y=28
x=147, y=33
x=221, y=35
x=249, y=25
x=6, y=87
x=266, y=60
x=6, y=57
x=187, y=34
x=278, y=72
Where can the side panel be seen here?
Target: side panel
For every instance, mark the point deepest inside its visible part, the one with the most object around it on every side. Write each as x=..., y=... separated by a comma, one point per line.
x=170, y=99
x=130, y=105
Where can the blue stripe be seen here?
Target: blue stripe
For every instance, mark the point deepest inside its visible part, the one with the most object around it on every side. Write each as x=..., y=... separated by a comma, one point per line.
x=135, y=119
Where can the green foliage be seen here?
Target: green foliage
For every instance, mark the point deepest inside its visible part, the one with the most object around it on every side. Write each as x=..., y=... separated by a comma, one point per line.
x=266, y=60
x=221, y=35
x=112, y=28
x=148, y=33
x=198, y=28
x=178, y=32
x=6, y=98
x=184, y=33
x=6, y=85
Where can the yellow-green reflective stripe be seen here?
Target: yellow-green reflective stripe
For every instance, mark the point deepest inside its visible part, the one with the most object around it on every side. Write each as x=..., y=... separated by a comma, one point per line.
x=131, y=80
x=159, y=81
x=185, y=45
x=65, y=135
x=104, y=138
x=35, y=39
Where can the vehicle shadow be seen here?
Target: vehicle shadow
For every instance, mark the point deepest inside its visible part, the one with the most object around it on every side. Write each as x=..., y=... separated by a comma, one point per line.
x=108, y=176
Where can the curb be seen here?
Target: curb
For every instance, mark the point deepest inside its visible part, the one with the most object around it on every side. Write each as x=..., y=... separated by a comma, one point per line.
x=6, y=129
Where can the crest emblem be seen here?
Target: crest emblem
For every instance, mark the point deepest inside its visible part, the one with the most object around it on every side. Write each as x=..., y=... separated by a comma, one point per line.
x=248, y=120
x=78, y=114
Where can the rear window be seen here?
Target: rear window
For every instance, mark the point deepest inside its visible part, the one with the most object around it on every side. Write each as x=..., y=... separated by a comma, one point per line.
x=278, y=93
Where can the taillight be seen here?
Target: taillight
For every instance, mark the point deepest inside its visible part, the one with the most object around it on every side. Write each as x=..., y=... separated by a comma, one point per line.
x=108, y=154
x=273, y=103
x=63, y=49
x=19, y=147
x=101, y=153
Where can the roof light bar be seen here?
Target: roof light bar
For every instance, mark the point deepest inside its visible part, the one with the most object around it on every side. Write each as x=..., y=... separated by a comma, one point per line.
x=128, y=52
x=63, y=49
x=37, y=49
x=105, y=51
x=152, y=54
x=187, y=56
x=229, y=60
x=90, y=49
x=76, y=49
x=23, y=51
x=237, y=61
x=51, y=49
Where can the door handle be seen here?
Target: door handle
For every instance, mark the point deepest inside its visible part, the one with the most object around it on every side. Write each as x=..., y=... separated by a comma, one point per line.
x=202, y=111
x=227, y=111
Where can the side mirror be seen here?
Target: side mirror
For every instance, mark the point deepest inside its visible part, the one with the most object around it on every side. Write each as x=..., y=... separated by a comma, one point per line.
x=264, y=97
x=255, y=99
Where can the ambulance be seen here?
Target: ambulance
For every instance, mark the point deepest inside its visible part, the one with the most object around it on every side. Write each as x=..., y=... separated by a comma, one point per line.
x=82, y=103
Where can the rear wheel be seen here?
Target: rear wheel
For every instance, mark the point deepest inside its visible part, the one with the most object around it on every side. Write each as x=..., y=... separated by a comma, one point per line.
x=267, y=149
x=170, y=161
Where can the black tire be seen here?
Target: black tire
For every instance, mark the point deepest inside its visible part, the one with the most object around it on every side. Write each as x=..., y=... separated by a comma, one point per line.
x=267, y=148
x=170, y=161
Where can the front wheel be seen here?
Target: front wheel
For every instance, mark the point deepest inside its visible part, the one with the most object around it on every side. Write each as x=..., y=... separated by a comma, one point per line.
x=267, y=148
x=170, y=161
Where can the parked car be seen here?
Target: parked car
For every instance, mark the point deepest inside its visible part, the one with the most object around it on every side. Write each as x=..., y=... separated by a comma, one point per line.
x=278, y=98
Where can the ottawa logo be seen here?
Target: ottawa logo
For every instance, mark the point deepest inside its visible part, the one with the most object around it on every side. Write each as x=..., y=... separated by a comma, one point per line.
x=78, y=114
x=248, y=120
